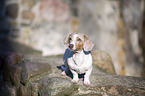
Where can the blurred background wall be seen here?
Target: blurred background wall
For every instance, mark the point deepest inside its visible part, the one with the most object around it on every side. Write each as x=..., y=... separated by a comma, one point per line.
x=115, y=26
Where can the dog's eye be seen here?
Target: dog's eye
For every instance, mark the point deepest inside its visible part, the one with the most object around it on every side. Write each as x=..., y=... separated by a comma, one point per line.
x=70, y=39
x=78, y=39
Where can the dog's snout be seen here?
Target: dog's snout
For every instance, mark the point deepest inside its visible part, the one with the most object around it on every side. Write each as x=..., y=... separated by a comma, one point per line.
x=71, y=46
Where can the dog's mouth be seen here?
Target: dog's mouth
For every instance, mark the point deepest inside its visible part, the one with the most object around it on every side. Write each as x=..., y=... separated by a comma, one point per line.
x=72, y=49
x=75, y=49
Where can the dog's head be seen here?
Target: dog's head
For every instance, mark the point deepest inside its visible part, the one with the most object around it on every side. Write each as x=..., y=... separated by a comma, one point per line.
x=78, y=42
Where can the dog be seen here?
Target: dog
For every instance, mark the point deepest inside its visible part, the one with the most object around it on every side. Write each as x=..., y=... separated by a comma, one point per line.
x=77, y=57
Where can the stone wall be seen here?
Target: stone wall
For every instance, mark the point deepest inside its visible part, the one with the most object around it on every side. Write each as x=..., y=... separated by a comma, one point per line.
x=41, y=24
x=131, y=17
x=113, y=25
x=100, y=19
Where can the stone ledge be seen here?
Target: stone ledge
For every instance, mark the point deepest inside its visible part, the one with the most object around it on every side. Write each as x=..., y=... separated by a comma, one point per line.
x=50, y=82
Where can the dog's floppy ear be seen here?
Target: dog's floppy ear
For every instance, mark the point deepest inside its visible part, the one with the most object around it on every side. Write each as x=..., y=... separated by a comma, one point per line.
x=65, y=41
x=88, y=44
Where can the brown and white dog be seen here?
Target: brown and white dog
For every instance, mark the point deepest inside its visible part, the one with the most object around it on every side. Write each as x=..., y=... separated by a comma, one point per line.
x=77, y=57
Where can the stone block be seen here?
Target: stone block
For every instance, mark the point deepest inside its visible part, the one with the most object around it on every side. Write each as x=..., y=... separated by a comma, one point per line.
x=24, y=90
x=99, y=20
x=12, y=59
x=55, y=87
x=54, y=11
x=9, y=90
x=34, y=71
x=103, y=61
x=28, y=15
x=12, y=10
x=15, y=75
x=12, y=70
x=29, y=3
x=54, y=84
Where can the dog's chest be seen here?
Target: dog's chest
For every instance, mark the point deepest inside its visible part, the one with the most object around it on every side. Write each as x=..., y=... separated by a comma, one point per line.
x=78, y=59
x=81, y=62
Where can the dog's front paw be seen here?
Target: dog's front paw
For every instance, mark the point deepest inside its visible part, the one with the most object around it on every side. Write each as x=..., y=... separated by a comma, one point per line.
x=63, y=73
x=75, y=80
x=87, y=82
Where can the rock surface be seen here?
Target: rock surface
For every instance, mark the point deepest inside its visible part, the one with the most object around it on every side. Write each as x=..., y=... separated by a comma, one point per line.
x=11, y=46
x=31, y=69
x=44, y=78
x=103, y=61
x=11, y=67
x=14, y=11
x=113, y=25
x=55, y=87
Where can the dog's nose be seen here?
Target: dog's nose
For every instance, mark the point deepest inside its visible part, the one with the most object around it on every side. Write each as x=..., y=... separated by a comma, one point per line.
x=71, y=46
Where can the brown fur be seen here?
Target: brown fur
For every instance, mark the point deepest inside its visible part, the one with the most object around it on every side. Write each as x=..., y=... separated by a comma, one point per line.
x=79, y=44
x=82, y=41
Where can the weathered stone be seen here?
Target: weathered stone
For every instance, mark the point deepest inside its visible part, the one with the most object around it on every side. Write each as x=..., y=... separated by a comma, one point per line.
x=55, y=87
x=142, y=43
x=131, y=12
x=115, y=91
x=25, y=90
x=41, y=20
x=54, y=84
x=29, y=3
x=12, y=11
x=103, y=61
x=101, y=82
x=9, y=90
x=102, y=25
x=11, y=68
x=53, y=33
x=51, y=20
x=34, y=89
x=13, y=59
x=54, y=11
x=7, y=46
x=34, y=71
x=10, y=57
x=20, y=91
x=30, y=89
x=28, y=15
x=15, y=75
x=2, y=84
x=2, y=59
